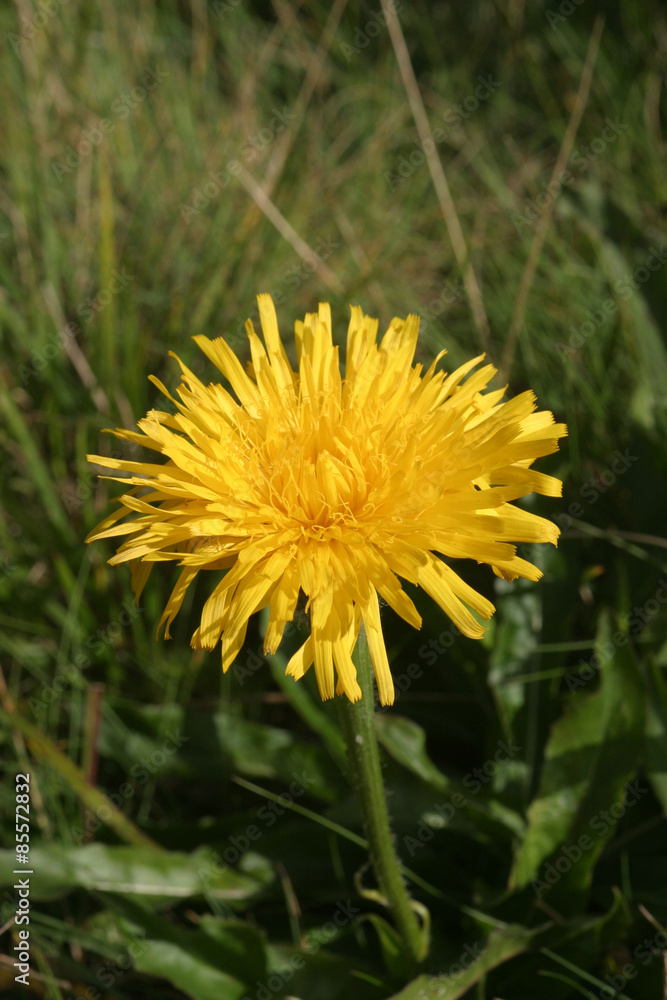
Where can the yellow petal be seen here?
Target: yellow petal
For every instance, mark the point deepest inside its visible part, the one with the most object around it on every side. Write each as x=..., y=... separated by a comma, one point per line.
x=301, y=661
x=378, y=651
x=175, y=600
x=436, y=582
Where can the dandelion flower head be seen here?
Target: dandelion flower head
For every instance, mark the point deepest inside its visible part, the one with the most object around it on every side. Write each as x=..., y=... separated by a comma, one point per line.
x=305, y=482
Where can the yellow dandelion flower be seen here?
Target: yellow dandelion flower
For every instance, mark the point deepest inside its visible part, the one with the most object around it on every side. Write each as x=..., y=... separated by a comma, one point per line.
x=333, y=487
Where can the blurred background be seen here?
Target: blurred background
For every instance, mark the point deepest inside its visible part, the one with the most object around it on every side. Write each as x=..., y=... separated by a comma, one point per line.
x=497, y=168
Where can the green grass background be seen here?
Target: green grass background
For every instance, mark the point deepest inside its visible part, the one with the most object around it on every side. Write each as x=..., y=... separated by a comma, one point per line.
x=163, y=889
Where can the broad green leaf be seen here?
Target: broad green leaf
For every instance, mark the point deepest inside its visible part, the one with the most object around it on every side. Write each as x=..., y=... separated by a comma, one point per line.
x=215, y=742
x=501, y=945
x=241, y=944
x=218, y=960
x=137, y=871
x=458, y=801
x=175, y=961
x=237, y=950
x=406, y=742
x=593, y=751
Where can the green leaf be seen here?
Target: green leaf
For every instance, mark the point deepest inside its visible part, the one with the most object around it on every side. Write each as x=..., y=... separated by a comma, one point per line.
x=406, y=742
x=137, y=871
x=593, y=751
x=501, y=945
x=211, y=743
x=216, y=961
x=242, y=945
x=588, y=935
x=174, y=961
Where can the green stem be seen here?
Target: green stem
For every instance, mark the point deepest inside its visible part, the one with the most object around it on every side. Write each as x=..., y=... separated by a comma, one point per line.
x=362, y=747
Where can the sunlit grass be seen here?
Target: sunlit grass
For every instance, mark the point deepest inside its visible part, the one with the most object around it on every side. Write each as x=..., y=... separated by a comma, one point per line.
x=147, y=239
